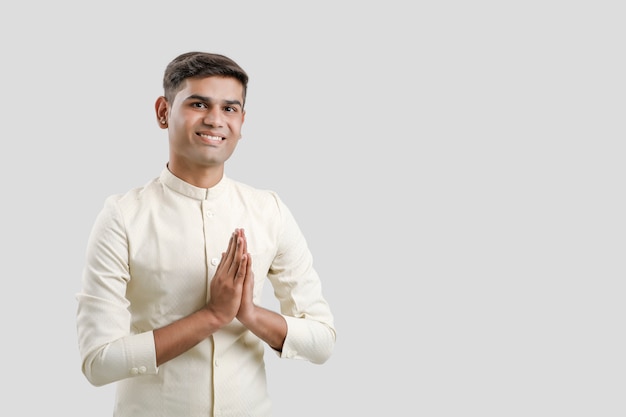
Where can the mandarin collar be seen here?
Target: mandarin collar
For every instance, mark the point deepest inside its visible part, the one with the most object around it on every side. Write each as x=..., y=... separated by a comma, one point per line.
x=173, y=182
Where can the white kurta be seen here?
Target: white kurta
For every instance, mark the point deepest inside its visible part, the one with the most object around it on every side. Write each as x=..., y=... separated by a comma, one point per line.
x=150, y=257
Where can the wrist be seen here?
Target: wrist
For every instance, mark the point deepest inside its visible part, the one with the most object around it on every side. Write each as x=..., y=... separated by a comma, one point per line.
x=247, y=316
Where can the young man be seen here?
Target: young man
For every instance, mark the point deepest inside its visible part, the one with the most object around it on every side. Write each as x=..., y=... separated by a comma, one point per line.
x=170, y=304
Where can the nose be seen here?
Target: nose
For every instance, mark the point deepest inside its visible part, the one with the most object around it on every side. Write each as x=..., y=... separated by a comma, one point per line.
x=213, y=117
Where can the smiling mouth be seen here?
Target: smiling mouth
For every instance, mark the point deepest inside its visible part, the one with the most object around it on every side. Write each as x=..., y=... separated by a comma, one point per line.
x=211, y=138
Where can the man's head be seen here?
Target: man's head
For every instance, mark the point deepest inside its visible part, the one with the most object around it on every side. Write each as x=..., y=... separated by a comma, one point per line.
x=202, y=110
x=200, y=65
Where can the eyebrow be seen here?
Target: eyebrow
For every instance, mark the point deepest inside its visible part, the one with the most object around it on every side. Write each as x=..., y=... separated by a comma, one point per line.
x=210, y=100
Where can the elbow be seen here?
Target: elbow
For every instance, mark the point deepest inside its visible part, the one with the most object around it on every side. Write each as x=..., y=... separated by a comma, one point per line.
x=95, y=372
x=93, y=378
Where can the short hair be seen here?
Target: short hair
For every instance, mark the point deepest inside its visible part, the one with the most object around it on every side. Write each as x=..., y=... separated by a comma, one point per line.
x=200, y=65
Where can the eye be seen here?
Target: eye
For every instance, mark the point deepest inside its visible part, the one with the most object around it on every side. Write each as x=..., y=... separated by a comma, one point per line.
x=199, y=105
x=231, y=109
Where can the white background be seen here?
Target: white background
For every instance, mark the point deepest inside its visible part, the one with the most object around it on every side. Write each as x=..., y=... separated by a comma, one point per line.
x=457, y=168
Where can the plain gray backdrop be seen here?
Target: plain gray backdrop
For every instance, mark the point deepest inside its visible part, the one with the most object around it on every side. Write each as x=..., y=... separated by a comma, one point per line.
x=457, y=168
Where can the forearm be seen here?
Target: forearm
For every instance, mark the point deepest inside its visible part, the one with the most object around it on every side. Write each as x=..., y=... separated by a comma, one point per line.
x=180, y=336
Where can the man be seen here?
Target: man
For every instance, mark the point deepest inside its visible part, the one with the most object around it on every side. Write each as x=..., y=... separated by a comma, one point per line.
x=170, y=305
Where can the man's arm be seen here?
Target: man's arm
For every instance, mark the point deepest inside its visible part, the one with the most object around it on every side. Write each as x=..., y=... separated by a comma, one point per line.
x=269, y=326
x=226, y=290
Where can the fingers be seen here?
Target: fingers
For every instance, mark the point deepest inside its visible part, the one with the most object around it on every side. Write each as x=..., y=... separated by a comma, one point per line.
x=242, y=253
x=242, y=233
x=231, y=275
x=249, y=262
x=242, y=270
x=231, y=261
x=238, y=252
x=246, y=308
x=248, y=278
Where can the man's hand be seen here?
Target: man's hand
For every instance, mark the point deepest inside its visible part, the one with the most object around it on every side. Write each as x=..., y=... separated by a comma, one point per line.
x=233, y=278
x=227, y=285
x=246, y=309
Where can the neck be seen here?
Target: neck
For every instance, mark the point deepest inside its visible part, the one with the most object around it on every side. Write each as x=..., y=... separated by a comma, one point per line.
x=205, y=177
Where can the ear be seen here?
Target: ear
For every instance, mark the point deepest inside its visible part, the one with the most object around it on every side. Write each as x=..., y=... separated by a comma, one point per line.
x=160, y=107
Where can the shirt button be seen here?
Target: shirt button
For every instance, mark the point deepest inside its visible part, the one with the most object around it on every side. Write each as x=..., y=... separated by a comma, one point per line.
x=142, y=369
x=134, y=371
x=215, y=261
x=209, y=213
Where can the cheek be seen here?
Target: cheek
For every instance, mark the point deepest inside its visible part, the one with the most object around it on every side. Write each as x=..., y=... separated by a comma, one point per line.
x=231, y=147
x=235, y=127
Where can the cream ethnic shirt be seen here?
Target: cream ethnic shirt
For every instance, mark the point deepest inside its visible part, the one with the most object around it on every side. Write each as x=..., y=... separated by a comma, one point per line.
x=150, y=256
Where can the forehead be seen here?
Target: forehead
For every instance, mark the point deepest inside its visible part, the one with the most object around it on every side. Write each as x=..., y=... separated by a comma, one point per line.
x=214, y=87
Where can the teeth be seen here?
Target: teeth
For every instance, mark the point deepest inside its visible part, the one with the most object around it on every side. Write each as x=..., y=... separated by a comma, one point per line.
x=212, y=137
